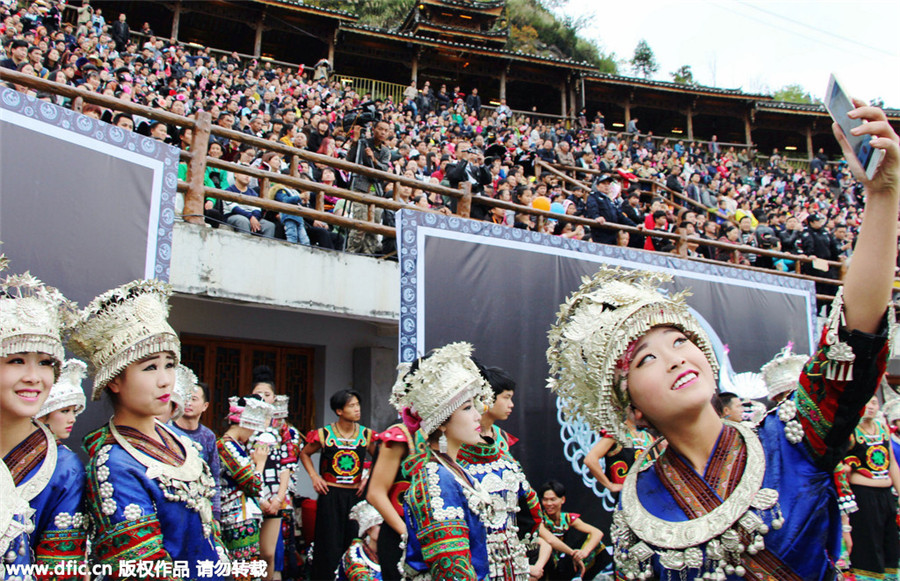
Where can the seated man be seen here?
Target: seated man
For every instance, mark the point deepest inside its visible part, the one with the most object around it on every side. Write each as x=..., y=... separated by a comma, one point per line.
x=245, y=217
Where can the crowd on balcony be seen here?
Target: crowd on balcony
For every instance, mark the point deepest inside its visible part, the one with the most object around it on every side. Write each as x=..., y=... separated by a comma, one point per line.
x=440, y=135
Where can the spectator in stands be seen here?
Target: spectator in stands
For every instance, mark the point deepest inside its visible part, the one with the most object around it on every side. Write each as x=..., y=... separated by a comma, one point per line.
x=373, y=153
x=244, y=217
x=470, y=168
x=819, y=243
x=18, y=54
x=473, y=102
x=607, y=211
x=121, y=34
x=632, y=126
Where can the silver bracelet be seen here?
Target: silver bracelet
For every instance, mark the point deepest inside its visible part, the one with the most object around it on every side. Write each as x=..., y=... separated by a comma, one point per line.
x=847, y=528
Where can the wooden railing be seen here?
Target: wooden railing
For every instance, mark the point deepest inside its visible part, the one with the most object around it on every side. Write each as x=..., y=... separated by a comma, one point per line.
x=197, y=160
x=378, y=89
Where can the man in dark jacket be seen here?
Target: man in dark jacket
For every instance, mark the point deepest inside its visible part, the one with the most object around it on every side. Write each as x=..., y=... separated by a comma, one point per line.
x=121, y=34
x=606, y=209
x=819, y=243
x=470, y=168
x=473, y=102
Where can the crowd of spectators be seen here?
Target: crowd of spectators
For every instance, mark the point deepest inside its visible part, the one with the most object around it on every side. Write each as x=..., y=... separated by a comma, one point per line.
x=437, y=135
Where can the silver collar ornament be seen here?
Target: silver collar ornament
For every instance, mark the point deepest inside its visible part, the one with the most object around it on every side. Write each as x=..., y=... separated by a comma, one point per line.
x=638, y=536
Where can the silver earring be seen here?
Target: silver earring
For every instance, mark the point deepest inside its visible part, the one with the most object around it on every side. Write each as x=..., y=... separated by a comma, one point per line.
x=442, y=443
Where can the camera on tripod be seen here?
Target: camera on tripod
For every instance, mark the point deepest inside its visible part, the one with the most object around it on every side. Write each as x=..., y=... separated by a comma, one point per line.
x=363, y=115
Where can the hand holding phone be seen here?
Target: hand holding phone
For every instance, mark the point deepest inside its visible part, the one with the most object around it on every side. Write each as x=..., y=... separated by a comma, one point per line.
x=838, y=104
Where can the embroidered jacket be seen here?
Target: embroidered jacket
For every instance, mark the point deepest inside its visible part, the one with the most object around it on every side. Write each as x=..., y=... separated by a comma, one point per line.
x=398, y=433
x=54, y=492
x=447, y=539
x=803, y=546
x=240, y=483
x=341, y=459
x=142, y=516
x=284, y=455
x=512, y=496
x=357, y=565
x=869, y=454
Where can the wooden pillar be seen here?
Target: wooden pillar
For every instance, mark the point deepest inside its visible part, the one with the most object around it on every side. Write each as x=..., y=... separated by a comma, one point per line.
x=748, y=130
x=809, y=144
x=690, y=123
x=573, y=102
x=176, y=19
x=257, y=42
x=193, y=199
x=564, y=98
x=627, y=112
x=503, y=83
x=415, y=69
x=332, y=40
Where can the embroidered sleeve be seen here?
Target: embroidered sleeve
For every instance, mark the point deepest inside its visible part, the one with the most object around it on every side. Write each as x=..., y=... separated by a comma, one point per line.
x=290, y=440
x=846, y=498
x=530, y=514
x=393, y=434
x=439, y=525
x=240, y=468
x=354, y=568
x=127, y=528
x=313, y=437
x=63, y=533
x=831, y=396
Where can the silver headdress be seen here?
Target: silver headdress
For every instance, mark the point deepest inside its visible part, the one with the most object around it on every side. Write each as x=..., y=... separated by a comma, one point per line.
x=281, y=407
x=67, y=389
x=185, y=382
x=366, y=515
x=891, y=408
x=255, y=414
x=122, y=326
x=441, y=384
x=782, y=373
x=594, y=328
x=32, y=317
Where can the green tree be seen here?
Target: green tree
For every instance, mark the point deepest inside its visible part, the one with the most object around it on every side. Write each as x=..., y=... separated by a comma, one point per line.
x=683, y=75
x=644, y=62
x=793, y=94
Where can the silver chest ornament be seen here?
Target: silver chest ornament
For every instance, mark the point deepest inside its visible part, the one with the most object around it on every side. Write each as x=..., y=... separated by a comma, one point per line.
x=729, y=531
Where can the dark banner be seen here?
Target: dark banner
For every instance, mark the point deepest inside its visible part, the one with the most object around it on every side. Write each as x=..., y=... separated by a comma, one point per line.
x=84, y=205
x=500, y=288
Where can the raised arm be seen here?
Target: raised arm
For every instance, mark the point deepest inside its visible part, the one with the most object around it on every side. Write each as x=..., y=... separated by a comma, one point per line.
x=867, y=285
x=592, y=461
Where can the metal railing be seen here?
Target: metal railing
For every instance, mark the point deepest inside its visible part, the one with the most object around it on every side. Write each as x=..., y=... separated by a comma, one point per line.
x=197, y=161
x=379, y=89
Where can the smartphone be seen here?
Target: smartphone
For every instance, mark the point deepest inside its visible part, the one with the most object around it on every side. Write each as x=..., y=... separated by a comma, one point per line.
x=838, y=104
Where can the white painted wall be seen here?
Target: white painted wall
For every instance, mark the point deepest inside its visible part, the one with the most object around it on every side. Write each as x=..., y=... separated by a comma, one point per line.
x=223, y=264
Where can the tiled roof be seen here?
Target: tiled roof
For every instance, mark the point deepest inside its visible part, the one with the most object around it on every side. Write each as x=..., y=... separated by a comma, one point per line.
x=475, y=5
x=300, y=4
x=810, y=108
x=680, y=87
x=373, y=31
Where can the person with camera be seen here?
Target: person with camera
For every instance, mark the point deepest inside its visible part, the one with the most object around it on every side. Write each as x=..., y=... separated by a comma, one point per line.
x=470, y=168
x=368, y=152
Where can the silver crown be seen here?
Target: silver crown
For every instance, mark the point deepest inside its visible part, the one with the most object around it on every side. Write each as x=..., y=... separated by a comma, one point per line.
x=122, y=326
x=595, y=327
x=185, y=381
x=281, y=407
x=366, y=515
x=255, y=414
x=32, y=317
x=440, y=385
x=782, y=373
x=67, y=390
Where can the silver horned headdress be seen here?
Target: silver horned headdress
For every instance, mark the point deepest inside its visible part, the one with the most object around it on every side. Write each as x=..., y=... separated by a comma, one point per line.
x=595, y=327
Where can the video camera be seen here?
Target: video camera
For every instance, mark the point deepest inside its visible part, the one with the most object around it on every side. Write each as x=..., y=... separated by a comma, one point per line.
x=363, y=115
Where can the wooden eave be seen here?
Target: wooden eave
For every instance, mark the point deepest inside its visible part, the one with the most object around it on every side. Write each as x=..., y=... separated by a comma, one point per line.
x=468, y=48
x=339, y=15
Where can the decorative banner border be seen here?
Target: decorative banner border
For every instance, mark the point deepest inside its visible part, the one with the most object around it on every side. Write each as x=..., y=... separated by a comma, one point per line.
x=414, y=226
x=25, y=110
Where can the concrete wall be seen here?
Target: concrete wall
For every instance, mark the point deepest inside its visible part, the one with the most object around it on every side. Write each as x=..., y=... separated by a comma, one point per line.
x=230, y=265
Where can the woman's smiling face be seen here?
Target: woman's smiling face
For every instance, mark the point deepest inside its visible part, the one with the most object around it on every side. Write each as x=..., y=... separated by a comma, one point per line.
x=668, y=377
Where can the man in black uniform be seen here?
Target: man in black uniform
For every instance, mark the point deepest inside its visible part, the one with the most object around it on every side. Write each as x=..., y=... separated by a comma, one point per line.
x=607, y=210
x=819, y=243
